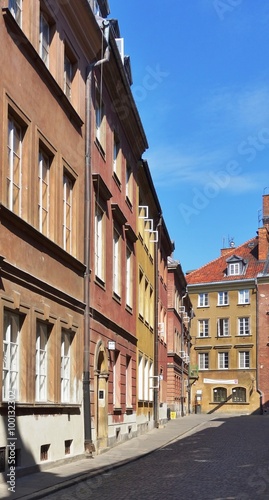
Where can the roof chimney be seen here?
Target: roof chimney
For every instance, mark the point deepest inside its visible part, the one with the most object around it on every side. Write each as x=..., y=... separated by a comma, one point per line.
x=263, y=231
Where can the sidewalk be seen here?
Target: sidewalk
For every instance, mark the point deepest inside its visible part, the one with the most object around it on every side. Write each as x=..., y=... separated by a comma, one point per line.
x=40, y=484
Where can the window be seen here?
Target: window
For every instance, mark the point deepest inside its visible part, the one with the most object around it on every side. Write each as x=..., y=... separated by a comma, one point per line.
x=234, y=269
x=140, y=377
x=44, y=39
x=99, y=243
x=43, y=202
x=116, y=381
x=244, y=326
x=203, y=328
x=15, y=7
x=68, y=76
x=151, y=381
x=67, y=213
x=67, y=446
x=223, y=360
x=128, y=383
x=203, y=359
x=100, y=120
x=14, y=147
x=11, y=355
x=66, y=342
x=203, y=300
x=129, y=278
x=220, y=395
x=146, y=295
x=223, y=327
x=128, y=185
x=141, y=293
x=151, y=308
x=243, y=297
x=44, y=452
x=41, y=376
x=146, y=380
x=116, y=157
x=223, y=299
x=236, y=265
x=116, y=263
x=244, y=359
x=239, y=395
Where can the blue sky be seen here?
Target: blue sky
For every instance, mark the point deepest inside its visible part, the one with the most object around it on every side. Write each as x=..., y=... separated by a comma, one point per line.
x=201, y=84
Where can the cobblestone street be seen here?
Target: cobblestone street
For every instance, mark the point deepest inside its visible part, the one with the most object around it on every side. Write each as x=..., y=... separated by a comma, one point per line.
x=226, y=459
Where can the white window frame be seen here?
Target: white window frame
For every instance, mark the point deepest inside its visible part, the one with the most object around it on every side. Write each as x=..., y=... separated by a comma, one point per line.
x=243, y=297
x=128, y=183
x=99, y=243
x=235, y=268
x=244, y=326
x=140, y=377
x=203, y=328
x=14, y=175
x=128, y=382
x=203, y=300
x=116, y=156
x=203, y=360
x=15, y=7
x=41, y=376
x=223, y=360
x=11, y=334
x=244, y=359
x=44, y=192
x=223, y=327
x=67, y=213
x=129, y=278
x=66, y=343
x=116, y=263
x=223, y=299
x=68, y=76
x=116, y=380
x=44, y=39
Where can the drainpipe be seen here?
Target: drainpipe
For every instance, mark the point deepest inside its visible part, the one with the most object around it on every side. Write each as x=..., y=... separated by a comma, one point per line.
x=261, y=394
x=182, y=346
x=88, y=444
x=156, y=339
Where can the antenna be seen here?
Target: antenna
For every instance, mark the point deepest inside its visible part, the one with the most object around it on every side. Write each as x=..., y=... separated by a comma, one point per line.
x=231, y=241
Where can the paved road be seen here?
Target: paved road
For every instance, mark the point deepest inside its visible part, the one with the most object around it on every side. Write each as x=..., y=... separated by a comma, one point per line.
x=226, y=459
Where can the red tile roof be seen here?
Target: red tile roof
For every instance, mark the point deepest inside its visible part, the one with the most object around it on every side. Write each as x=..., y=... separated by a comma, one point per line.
x=216, y=270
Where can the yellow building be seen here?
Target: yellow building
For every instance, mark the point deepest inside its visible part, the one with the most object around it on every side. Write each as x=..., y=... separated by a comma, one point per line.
x=223, y=294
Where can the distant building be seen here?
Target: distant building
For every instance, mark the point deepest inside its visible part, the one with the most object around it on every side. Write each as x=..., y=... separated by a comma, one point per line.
x=179, y=319
x=227, y=344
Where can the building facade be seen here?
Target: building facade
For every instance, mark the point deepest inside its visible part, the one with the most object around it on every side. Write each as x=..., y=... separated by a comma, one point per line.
x=117, y=142
x=178, y=341
x=228, y=335
x=42, y=108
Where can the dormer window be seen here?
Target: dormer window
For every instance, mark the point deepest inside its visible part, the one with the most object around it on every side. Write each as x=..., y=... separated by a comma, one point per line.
x=235, y=266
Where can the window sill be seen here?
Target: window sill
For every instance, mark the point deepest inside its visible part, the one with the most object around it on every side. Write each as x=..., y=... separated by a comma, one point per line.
x=100, y=282
x=100, y=149
x=117, y=180
x=129, y=309
x=129, y=203
x=116, y=297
